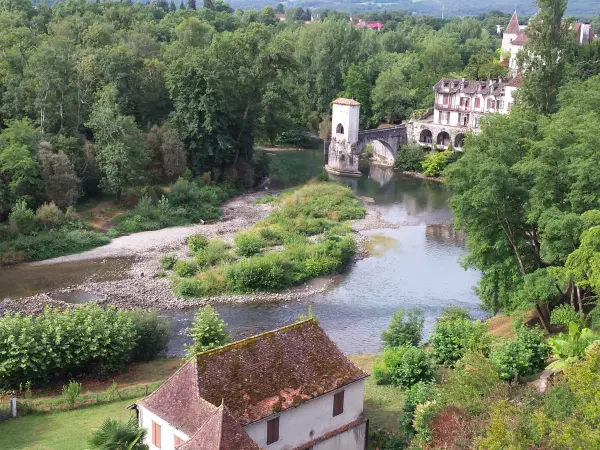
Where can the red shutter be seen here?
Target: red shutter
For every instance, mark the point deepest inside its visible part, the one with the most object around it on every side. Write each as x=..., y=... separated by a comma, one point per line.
x=338, y=403
x=477, y=102
x=156, y=434
x=445, y=99
x=273, y=430
x=178, y=441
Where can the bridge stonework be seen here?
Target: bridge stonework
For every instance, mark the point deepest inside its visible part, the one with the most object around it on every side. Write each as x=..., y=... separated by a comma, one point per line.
x=427, y=134
x=347, y=142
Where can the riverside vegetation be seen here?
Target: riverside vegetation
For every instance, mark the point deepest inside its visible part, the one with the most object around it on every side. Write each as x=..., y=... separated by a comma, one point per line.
x=305, y=237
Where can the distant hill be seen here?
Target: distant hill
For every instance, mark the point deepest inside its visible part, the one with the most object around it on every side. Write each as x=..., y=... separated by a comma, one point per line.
x=579, y=8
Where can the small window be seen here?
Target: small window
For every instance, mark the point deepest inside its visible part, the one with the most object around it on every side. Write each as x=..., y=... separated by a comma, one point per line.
x=339, y=129
x=273, y=430
x=156, y=434
x=338, y=403
x=178, y=441
x=477, y=102
x=445, y=99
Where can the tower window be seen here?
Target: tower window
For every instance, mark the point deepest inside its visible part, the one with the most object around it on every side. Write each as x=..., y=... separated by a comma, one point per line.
x=339, y=129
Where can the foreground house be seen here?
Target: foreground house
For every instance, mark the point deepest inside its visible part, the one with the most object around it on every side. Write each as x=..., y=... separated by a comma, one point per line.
x=290, y=388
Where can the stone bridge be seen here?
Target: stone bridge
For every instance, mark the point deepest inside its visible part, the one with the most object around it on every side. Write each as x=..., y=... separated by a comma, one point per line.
x=384, y=142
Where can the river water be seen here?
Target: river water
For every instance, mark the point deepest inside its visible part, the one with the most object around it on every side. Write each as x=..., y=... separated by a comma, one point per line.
x=413, y=266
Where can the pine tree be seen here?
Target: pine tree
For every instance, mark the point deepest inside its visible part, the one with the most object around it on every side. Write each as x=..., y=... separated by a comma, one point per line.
x=172, y=7
x=191, y=4
x=181, y=5
x=208, y=4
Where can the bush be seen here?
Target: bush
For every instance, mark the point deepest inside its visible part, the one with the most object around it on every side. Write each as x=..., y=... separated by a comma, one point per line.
x=410, y=158
x=270, y=272
x=153, y=334
x=404, y=329
x=112, y=233
x=71, y=393
x=434, y=164
x=249, y=244
x=185, y=268
x=216, y=252
x=21, y=218
x=454, y=312
x=563, y=315
x=524, y=355
x=594, y=319
x=452, y=338
x=417, y=394
x=59, y=344
x=197, y=242
x=207, y=332
x=205, y=284
x=167, y=262
x=49, y=215
x=403, y=366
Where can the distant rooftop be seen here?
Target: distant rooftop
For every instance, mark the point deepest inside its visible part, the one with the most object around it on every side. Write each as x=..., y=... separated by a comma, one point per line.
x=346, y=102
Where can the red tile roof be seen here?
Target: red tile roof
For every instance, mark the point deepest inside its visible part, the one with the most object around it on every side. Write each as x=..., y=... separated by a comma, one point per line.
x=513, y=25
x=253, y=378
x=521, y=39
x=516, y=81
x=346, y=101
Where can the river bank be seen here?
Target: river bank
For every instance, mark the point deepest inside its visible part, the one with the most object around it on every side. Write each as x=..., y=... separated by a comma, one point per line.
x=137, y=288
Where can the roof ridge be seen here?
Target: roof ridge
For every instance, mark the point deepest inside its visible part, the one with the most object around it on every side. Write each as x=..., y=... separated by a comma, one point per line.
x=165, y=382
x=254, y=338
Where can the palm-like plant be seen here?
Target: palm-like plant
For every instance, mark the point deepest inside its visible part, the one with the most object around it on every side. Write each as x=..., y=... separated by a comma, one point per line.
x=572, y=346
x=119, y=435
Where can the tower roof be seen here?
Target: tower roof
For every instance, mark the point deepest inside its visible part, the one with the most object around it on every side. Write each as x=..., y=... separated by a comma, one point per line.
x=346, y=102
x=513, y=25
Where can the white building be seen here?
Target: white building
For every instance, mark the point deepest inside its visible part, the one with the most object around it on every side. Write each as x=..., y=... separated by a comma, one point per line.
x=288, y=389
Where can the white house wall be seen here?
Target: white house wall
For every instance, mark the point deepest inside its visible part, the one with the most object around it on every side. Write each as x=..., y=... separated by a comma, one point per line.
x=353, y=439
x=349, y=118
x=167, y=432
x=311, y=420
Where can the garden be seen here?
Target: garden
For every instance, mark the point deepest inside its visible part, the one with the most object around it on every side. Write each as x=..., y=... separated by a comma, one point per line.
x=305, y=237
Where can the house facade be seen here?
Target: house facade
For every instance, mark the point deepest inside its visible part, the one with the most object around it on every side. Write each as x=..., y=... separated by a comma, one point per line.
x=290, y=388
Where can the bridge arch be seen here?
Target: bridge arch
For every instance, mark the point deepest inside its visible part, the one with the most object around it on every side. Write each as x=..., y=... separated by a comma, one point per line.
x=459, y=142
x=426, y=137
x=443, y=138
x=383, y=153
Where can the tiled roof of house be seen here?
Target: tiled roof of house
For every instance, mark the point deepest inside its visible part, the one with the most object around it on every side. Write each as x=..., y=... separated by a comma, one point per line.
x=513, y=25
x=220, y=432
x=346, y=101
x=253, y=379
x=516, y=81
x=274, y=371
x=521, y=39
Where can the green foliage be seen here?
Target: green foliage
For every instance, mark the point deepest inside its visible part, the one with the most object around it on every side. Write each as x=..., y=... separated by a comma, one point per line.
x=185, y=268
x=404, y=329
x=572, y=346
x=168, y=261
x=309, y=316
x=416, y=395
x=270, y=272
x=207, y=332
x=112, y=233
x=524, y=355
x=197, y=243
x=453, y=312
x=564, y=315
x=119, y=435
x=21, y=218
x=452, y=338
x=435, y=163
x=71, y=392
x=248, y=244
x=215, y=253
x=410, y=158
x=49, y=215
x=403, y=366
x=153, y=335
x=56, y=344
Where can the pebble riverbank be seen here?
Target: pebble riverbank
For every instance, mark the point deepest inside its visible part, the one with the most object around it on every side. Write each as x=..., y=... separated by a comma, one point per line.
x=140, y=290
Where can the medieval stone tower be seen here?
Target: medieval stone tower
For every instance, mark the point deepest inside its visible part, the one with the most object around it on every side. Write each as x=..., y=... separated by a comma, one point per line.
x=343, y=155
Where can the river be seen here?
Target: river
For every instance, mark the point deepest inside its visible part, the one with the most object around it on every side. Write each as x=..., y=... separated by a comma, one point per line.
x=413, y=266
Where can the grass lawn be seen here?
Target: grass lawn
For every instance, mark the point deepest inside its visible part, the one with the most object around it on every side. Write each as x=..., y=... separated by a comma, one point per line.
x=69, y=430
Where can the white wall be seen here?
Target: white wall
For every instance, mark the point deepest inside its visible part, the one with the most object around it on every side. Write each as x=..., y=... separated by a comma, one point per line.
x=311, y=419
x=349, y=117
x=167, y=432
x=353, y=439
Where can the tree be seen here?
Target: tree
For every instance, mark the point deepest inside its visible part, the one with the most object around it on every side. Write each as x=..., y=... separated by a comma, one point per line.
x=267, y=16
x=404, y=329
x=207, y=332
x=172, y=7
x=61, y=184
x=115, y=434
x=208, y=4
x=544, y=56
x=121, y=152
x=191, y=4
x=181, y=6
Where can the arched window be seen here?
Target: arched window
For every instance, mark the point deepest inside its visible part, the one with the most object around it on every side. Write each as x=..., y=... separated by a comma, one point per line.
x=339, y=129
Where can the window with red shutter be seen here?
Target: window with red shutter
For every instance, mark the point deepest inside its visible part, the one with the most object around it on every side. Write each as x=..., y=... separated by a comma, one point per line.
x=477, y=103
x=178, y=441
x=156, y=434
x=338, y=403
x=273, y=430
x=445, y=99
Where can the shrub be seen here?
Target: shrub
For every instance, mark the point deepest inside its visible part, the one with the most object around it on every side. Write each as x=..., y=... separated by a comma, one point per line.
x=559, y=402
x=571, y=346
x=417, y=394
x=207, y=332
x=153, y=334
x=168, y=261
x=249, y=244
x=410, y=158
x=71, y=393
x=435, y=163
x=454, y=312
x=423, y=420
x=112, y=233
x=49, y=215
x=22, y=218
x=403, y=366
x=452, y=338
x=216, y=252
x=594, y=319
x=263, y=273
x=524, y=355
x=404, y=329
x=117, y=434
x=161, y=273
x=197, y=242
x=207, y=283
x=185, y=268
x=56, y=344
x=563, y=315
x=265, y=199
